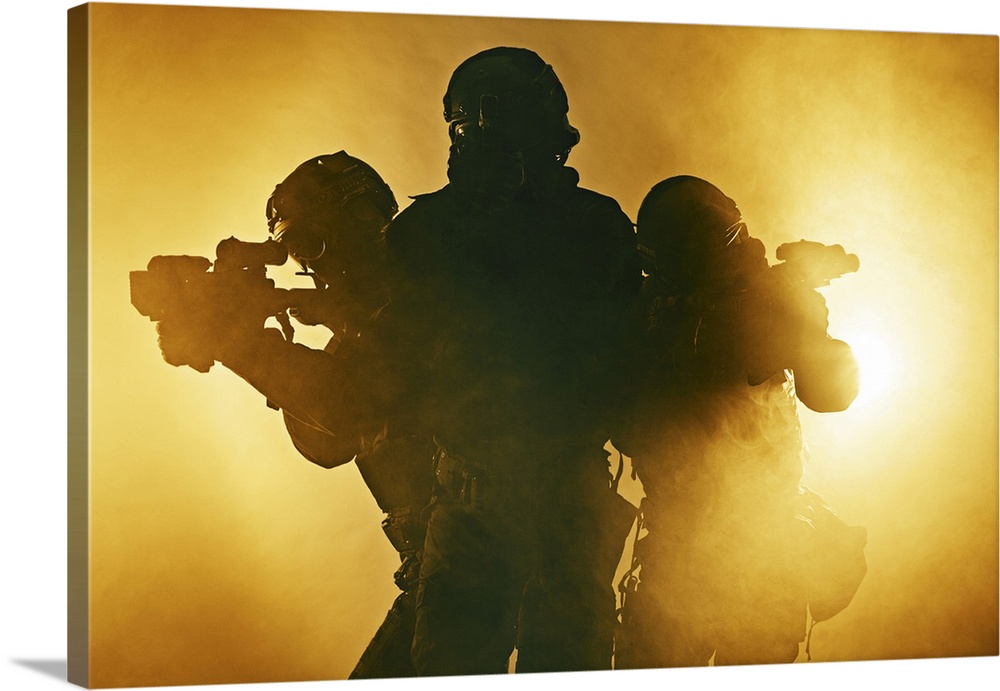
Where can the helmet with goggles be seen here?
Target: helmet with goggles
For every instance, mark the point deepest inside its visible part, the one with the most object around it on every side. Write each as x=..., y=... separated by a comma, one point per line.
x=330, y=204
x=510, y=99
x=687, y=229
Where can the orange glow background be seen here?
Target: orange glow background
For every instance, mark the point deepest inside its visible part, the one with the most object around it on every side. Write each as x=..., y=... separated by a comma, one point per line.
x=220, y=555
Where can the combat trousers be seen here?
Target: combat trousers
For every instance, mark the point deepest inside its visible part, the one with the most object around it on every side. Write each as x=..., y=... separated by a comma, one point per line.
x=475, y=567
x=711, y=590
x=533, y=569
x=388, y=654
x=568, y=614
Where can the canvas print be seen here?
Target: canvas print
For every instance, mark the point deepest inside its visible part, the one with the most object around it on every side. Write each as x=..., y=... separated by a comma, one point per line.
x=414, y=345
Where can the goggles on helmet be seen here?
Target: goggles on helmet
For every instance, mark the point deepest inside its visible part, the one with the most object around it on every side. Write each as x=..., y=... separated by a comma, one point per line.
x=311, y=205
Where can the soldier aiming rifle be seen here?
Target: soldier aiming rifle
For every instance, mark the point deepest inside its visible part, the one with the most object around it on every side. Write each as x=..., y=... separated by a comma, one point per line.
x=733, y=551
x=329, y=216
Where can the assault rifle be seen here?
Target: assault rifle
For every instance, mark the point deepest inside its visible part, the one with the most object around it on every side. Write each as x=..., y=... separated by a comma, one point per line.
x=802, y=264
x=193, y=290
x=754, y=326
x=812, y=264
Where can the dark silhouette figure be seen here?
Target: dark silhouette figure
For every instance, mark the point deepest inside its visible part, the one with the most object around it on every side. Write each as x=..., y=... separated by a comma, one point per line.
x=733, y=549
x=329, y=215
x=510, y=286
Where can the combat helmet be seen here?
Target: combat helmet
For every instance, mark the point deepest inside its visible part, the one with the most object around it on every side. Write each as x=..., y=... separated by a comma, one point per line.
x=330, y=204
x=510, y=95
x=683, y=223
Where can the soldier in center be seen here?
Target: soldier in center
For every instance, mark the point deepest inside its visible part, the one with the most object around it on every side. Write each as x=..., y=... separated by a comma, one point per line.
x=510, y=287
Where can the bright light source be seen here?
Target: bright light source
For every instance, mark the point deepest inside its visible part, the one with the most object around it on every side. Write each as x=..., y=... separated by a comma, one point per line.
x=877, y=363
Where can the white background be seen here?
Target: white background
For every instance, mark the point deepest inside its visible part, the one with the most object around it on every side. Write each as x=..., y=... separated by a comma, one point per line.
x=33, y=356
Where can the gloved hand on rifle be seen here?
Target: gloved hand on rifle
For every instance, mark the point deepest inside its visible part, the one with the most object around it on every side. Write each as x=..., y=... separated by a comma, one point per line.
x=214, y=327
x=200, y=343
x=778, y=328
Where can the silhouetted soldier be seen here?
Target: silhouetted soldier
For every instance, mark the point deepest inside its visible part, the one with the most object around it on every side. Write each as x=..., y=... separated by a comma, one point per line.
x=515, y=279
x=734, y=549
x=330, y=214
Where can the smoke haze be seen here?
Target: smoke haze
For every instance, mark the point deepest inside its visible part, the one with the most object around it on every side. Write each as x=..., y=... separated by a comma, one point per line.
x=220, y=555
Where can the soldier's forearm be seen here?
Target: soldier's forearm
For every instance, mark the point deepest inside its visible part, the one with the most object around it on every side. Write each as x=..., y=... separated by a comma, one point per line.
x=826, y=376
x=311, y=385
x=319, y=447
